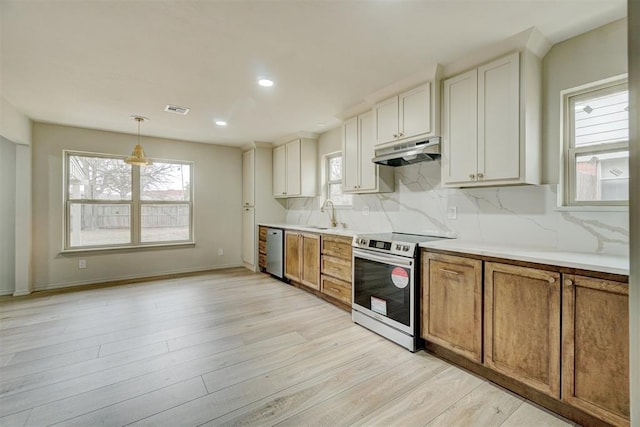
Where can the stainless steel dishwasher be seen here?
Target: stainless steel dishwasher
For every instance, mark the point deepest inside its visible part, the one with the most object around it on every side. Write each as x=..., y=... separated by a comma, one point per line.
x=275, y=252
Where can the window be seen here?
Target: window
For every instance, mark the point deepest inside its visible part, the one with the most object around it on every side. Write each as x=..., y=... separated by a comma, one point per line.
x=109, y=203
x=597, y=145
x=334, y=180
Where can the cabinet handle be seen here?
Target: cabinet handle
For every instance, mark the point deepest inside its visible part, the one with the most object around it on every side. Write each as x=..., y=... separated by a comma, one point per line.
x=444, y=270
x=480, y=176
x=472, y=176
x=568, y=282
x=551, y=280
x=401, y=134
x=395, y=135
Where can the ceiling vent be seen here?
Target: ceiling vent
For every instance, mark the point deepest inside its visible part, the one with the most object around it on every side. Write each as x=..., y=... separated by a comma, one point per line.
x=176, y=109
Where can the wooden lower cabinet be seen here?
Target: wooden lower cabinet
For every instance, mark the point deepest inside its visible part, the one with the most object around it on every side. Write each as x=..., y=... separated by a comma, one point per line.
x=292, y=252
x=302, y=258
x=262, y=248
x=522, y=325
x=595, y=347
x=452, y=303
x=336, y=288
x=336, y=268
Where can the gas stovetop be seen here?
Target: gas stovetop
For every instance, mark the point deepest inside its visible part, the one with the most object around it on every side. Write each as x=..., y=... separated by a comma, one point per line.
x=403, y=244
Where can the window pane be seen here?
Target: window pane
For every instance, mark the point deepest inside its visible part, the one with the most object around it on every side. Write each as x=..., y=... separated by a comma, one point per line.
x=602, y=176
x=165, y=181
x=601, y=117
x=165, y=222
x=98, y=178
x=99, y=224
x=335, y=168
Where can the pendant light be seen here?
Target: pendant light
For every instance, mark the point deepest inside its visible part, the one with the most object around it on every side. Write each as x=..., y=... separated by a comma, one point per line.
x=137, y=157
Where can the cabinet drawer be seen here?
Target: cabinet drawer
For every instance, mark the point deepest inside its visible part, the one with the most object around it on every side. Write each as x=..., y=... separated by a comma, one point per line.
x=336, y=288
x=262, y=261
x=262, y=247
x=336, y=267
x=337, y=246
x=262, y=233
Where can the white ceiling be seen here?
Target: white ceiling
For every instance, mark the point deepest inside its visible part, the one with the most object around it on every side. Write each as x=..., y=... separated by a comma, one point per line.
x=94, y=63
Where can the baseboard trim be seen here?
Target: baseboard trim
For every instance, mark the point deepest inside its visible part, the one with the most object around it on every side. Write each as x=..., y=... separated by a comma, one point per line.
x=134, y=279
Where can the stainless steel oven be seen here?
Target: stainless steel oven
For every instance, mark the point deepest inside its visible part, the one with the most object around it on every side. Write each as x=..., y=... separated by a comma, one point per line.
x=385, y=293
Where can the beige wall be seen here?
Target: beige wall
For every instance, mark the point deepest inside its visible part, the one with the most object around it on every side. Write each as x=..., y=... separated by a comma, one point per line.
x=583, y=59
x=7, y=215
x=330, y=142
x=217, y=201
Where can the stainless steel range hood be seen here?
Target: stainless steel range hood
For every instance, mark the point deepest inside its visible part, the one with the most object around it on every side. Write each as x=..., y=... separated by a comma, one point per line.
x=409, y=152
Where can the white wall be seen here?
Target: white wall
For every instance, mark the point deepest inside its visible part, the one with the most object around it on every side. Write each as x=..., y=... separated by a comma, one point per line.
x=634, y=208
x=586, y=58
x=217, y=198
x=7, y=215
x=14, y=125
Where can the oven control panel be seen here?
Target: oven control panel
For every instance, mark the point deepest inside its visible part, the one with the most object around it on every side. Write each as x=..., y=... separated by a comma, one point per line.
x=390, y=247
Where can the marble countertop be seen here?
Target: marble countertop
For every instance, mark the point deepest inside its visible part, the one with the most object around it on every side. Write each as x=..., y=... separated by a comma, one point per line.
x=614, y=264
x=316, y=229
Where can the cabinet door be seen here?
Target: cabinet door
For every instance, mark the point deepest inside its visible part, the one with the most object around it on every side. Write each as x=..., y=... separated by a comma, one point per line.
x=452, y=303
x=595, y=347
x=415, y=112
x=248, y=236
x=368, y=170
x=460, y=137
x=386, y=120
x=350, y=155
x=310, y=275
x=522, y=325
x=499, y=119
x=292, y=255
x=248, y=174
x=279, y=171
x=293, y=175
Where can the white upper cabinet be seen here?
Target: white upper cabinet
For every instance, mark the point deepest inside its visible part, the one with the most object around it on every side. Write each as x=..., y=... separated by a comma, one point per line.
x=404, y=117
x=279, y=171
x=491, y=123
x=360, y=174
x=248, y=178
x=294, y=169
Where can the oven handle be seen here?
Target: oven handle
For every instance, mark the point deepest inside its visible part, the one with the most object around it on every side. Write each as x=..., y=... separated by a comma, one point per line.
x=388, y=259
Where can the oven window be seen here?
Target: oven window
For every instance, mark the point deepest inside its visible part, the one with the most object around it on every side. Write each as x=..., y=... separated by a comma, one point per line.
x=384, y=289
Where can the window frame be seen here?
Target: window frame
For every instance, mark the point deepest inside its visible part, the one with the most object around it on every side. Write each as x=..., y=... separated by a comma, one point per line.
x=570, y=153
x=327, y=181
x=135, y=204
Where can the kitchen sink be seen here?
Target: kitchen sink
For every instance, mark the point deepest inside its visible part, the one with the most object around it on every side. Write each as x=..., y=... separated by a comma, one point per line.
x=316, y=227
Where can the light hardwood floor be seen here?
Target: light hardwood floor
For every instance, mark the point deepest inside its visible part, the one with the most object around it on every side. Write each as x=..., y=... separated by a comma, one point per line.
x=226, y=348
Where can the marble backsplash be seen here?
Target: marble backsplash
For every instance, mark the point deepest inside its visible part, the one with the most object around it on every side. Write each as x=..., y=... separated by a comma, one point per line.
x=521, y=215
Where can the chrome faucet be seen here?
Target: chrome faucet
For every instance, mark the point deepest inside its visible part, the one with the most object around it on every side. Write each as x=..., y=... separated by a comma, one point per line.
x=334, y=223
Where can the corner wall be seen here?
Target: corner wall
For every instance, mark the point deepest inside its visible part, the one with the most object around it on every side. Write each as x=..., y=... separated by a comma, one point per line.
x=7, y=216
x=217, y=198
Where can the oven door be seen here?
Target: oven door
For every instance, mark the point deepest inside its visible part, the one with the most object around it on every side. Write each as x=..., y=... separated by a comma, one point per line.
x=383, y=288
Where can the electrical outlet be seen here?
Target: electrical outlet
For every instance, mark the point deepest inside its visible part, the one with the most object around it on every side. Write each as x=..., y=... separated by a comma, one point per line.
x=220, y=251
x=365, y=211
x=452, y=212
x=82, y=263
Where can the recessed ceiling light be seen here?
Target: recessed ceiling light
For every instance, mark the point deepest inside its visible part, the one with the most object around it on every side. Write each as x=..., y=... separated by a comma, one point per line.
x=221, y=123
x=265, y=82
